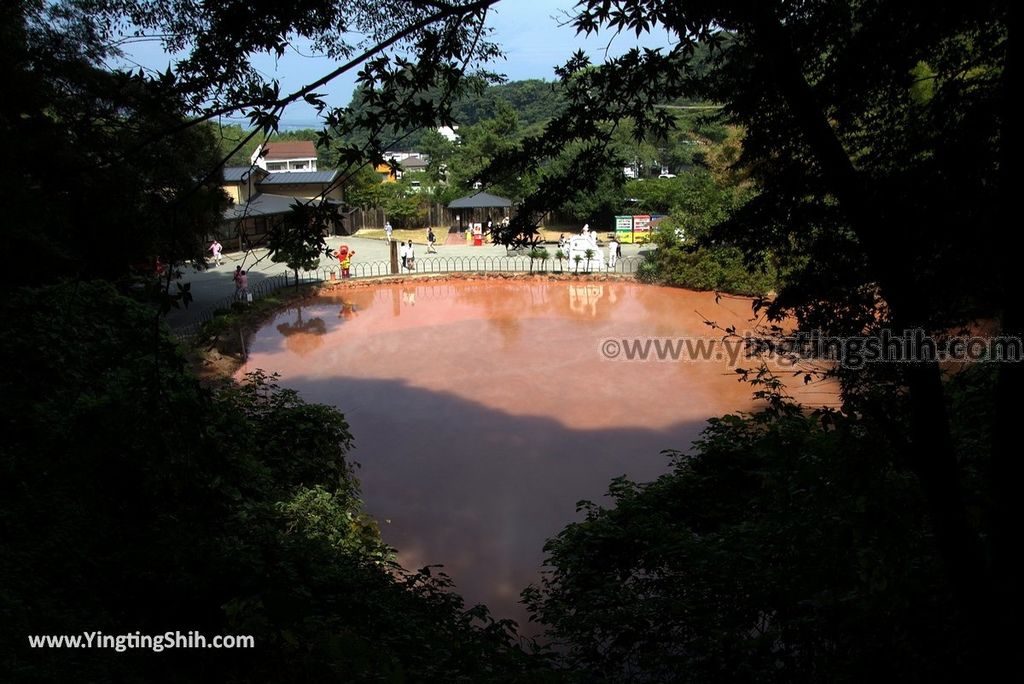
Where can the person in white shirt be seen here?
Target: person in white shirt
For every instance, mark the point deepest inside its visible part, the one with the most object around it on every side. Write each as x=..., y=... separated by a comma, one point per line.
x=613, y=253
x=387, y=230
x=402, y=254
x=410, y=257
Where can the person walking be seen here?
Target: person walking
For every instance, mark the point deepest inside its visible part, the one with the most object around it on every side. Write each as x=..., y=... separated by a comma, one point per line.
x=410, y=257
x=387, y=231
x=613, y=253
x=236, y=277
x=216, y=248
x=243, y=287
x=403, y=254
x=431, y=239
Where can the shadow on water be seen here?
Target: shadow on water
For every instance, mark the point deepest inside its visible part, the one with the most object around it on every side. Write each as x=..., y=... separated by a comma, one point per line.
x=476, y=489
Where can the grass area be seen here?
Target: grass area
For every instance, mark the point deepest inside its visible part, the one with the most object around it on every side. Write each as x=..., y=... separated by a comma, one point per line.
x=417, y=235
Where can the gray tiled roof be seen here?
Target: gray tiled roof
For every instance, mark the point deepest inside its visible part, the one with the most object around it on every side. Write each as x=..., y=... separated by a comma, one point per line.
x=480, y=200
x=268, y=205
x=236, y=174
x=414, y=163
x=297, y=177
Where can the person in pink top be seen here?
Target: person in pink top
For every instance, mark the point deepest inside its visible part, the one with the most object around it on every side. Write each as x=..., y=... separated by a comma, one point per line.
x=243, y=284
x=216, y=248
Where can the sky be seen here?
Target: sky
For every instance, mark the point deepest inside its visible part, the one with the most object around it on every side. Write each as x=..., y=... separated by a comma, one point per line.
x=532, y=33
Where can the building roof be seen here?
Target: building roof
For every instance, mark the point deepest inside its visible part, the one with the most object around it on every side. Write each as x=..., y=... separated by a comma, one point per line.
x=415, y=163
x=266, y=204
x=299, y=177
x=238, y=174
x=294, y=149
x=235, y=174
x=479, y=200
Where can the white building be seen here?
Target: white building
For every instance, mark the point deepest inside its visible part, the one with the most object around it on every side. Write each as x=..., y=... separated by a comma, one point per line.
x=449, y=132
x=281, y=157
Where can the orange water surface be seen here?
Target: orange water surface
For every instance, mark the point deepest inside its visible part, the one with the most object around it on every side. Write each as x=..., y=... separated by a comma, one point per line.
x=484, y=410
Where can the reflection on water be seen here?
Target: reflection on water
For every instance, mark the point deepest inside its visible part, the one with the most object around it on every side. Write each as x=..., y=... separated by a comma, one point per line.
x=302, y=335
x=584, y=298
x=483, y=411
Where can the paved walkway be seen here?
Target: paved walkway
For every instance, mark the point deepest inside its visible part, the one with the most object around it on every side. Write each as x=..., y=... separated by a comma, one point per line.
x=211, y=286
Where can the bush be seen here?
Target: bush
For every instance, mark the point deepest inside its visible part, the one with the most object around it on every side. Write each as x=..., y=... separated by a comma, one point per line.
x=786, y=548
x=720, y=269
x=647, y=272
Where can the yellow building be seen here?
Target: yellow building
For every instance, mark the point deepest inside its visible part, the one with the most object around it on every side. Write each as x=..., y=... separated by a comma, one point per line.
x=387, y=174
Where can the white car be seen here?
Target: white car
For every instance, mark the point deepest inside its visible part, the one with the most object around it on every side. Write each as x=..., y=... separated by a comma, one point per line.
x=667, y=175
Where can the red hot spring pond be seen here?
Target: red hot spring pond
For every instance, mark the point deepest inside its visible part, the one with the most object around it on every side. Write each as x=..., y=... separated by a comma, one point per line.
x=483, y=410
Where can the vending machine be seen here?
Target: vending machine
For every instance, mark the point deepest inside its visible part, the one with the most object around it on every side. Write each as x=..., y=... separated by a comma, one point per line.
x=624, y=230
x=641, y=229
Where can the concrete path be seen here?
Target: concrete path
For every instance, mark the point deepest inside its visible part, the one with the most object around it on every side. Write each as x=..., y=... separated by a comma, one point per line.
x=211, y=286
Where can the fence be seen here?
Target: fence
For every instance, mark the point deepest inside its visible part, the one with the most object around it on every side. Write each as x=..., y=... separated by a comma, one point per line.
x=422, y=265
x=375, y=217
x=472, y=264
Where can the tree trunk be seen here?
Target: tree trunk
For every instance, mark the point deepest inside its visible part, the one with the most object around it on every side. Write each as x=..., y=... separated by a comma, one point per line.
x=1009, y=395
x=932, y=453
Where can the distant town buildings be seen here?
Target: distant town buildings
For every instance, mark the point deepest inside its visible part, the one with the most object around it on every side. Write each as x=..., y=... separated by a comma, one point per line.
x=407, y=162
x=284, y=174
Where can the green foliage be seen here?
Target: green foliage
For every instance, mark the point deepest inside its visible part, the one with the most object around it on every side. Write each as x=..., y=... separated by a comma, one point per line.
x=97, y=174
x=440, y=151
x=405, y=208
x=647, y=272
x=495, y=118
x=236, y=146
x=696, y=200
x=711, y=268
x=362, y=187
x=540, y=254
x=785, y=548
x=479, y=145
x=652, y=196
x=481, y=100
x=535, y=102
x=299, y=238
x=133, y=499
